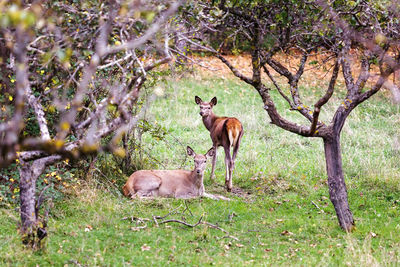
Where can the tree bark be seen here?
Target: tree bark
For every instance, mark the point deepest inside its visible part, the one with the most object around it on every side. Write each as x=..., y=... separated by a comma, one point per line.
x=337, y=186
x=29, y=172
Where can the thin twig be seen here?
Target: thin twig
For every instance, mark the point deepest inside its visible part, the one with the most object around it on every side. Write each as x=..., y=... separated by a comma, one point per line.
x=187, y=208
x=315, y=204
x=133, y=218
x=182, y=222
x=155, y=220
x=215, y=227
x=221, y=229
x=277, y=87
x=171, y=212
x=194, y=61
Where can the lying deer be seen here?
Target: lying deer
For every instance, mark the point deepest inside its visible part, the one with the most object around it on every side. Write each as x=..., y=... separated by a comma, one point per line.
x=224, y=131
x=170, y=183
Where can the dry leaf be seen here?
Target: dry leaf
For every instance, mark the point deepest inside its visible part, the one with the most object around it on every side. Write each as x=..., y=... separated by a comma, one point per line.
x=145, y=247
x=286, y=232
x=239, y=245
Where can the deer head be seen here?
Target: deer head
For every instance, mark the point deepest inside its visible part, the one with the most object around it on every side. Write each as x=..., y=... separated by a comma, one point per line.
x=200, y=160
x=205, y=107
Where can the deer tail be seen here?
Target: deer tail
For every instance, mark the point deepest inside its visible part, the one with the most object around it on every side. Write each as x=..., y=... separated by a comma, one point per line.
x=233, y=129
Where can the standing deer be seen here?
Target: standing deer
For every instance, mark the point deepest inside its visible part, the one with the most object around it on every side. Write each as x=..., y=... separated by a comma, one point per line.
x=170, y=183
x=224, y=131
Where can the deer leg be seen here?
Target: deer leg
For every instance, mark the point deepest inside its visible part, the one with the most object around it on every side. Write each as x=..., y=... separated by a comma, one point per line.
x=235, y=151
x=228, y=166
x=214, y=160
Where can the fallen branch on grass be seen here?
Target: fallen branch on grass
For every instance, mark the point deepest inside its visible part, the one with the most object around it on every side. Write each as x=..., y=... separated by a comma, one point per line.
x=201, y=222
x=155, y=219
x=169, y=213
x=221, y=229
x=315, y=204
x=137, y=219
x=182, y=222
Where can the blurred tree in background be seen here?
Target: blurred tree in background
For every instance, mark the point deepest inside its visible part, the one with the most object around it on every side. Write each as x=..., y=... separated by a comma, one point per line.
x=71, y=82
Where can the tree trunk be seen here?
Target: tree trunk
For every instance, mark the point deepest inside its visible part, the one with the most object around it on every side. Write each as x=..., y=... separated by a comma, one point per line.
x=337, y=186
x=27, y=186
x=31, y=229
x=29, y=172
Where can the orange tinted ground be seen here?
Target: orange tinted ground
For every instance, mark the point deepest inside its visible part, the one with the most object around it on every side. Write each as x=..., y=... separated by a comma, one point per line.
x=316, y=74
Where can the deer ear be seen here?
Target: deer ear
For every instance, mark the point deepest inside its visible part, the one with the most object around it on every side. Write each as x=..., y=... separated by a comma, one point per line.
x=213, y=101
x=210, y=153
x=197, y=100
x=190, y=151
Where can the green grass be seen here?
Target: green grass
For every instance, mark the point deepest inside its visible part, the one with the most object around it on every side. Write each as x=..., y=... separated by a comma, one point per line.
x=275, y=220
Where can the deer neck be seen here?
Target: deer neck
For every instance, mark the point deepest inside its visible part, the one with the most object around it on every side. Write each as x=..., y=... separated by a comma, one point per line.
x=197, y=181
x=209, y=120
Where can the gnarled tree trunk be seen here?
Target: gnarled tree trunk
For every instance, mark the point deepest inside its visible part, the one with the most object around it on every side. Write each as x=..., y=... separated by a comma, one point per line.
x=31, y=229
x=337, y=186
x=29, y=172
x=27, y=196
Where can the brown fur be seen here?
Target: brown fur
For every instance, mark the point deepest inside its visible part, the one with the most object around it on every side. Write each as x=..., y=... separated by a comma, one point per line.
x=169, y=183
x=233, y=128
x=224, y=131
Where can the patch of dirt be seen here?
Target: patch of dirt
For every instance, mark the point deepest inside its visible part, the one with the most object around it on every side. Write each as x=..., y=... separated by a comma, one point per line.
x=220, y=189
x=317, y=72
x=237, y=191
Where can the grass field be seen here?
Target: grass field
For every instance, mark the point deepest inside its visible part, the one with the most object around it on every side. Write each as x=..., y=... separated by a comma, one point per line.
x=281, y=216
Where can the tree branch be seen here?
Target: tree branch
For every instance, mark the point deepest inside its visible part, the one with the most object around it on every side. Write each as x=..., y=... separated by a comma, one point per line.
x=278, y=88
x=39, y=113
x=323, y=100
x=364, y=75
x=154, y=28
x=278, y=67
x=234, y=70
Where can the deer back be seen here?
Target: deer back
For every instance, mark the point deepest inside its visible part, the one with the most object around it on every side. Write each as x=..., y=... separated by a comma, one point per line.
x=163, y=183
